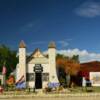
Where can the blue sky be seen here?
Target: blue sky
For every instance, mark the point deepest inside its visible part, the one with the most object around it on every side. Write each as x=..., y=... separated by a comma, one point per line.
x=74, y=25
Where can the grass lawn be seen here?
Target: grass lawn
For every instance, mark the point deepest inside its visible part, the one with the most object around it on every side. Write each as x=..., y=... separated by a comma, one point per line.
x=96, y=89
x=84, y=89
x=68, y=90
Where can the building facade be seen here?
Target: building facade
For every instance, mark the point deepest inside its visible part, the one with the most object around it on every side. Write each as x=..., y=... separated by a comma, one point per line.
x=2, y=81
x=37, y=70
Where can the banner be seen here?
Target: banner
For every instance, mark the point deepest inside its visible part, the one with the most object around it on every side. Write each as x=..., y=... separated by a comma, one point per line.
x=53, y=85
x=20, y=84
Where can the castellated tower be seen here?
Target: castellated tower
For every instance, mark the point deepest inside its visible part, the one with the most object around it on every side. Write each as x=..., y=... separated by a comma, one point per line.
x=22, y=60
x=52, y=62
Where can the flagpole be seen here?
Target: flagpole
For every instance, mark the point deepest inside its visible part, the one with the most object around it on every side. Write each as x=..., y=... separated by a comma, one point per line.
x=4, y=80
x=4, y=74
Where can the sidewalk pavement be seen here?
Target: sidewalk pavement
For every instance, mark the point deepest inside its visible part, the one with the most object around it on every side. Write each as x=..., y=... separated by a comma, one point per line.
x=48, y=95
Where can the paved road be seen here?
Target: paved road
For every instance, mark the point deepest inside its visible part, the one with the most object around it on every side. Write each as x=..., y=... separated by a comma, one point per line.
x=63, y=98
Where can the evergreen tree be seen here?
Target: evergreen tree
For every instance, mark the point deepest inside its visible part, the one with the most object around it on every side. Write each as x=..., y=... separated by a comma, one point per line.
x=8, y=57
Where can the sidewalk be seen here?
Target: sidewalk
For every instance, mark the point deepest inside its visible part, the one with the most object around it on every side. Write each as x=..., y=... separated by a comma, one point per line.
x=43, y=95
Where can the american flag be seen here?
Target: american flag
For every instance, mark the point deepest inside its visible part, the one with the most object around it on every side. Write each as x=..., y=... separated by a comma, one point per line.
x=4, y=70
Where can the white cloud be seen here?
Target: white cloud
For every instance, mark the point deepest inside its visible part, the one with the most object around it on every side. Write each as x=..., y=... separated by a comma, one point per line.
x=38, y=42
x=63, y=43
x=84, y=55
x=32, y=26
x=88, y=9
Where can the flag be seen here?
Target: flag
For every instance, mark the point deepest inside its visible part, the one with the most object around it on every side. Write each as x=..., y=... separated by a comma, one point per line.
x=4, y=70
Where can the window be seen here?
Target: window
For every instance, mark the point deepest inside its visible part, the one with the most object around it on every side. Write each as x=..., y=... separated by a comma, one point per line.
x=30, y=76
x=45, y=77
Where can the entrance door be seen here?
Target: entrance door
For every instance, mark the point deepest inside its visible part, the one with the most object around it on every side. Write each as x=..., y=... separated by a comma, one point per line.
x=38, y=80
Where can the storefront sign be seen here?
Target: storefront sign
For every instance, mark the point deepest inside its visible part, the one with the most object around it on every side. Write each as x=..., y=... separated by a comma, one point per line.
x=38, y=68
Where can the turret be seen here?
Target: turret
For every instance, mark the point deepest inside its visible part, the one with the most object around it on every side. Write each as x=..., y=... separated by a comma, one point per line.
x=52, y=62
x=22, y=60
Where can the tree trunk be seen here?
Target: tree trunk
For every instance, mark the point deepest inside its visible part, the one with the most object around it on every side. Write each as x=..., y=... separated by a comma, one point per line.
x=68, y=80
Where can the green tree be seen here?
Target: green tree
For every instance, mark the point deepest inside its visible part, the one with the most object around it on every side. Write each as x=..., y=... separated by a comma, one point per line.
x=70, y=67
x=75, y=58
x=8, y=57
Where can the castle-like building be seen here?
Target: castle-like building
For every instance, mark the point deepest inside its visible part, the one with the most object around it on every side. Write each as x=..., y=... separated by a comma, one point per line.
x=37, y=70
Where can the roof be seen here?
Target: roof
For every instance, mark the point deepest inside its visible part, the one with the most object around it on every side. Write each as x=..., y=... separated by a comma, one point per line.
x=93, y=66
x=52, y=45
x=36, y=54
x=22, y=44
x=85, y=68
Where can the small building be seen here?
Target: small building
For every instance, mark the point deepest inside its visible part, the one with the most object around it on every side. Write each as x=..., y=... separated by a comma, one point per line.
x=95, y=78
x=2, y=81
x=37, y=70
x=91, y=71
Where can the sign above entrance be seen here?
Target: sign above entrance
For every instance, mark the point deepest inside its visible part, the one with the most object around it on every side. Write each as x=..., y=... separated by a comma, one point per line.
x=38, y=68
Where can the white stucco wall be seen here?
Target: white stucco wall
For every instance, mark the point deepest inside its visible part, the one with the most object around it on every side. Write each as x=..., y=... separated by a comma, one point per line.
x=30, y=69
x=2, y=79
x=95, y=78
x=22, y=63
x=17, y=72
x=48, y=64
x=52, y=65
